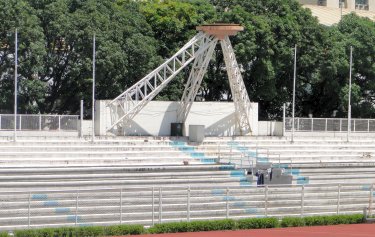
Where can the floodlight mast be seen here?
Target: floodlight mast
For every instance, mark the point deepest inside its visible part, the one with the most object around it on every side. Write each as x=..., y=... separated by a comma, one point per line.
x=198, y=51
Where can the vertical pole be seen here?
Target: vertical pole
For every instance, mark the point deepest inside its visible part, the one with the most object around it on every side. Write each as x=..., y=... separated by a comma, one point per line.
x=59, y=117
x=340, y=124
x=40, y=122
x=338, y=198
x=160, y=206
x=298, y=124
x=153, y=206
x=188, y=204
x=350, y=92
x=218, y=147
x=284, y=110
x=20, y=126
x=341, y=6
x=120, y=206
x=302, y=200
x=93, y=90
x=231, y=153
x=29, y=211
x=227, y=203
x=371, y=199
x=76, y=222
x=326, y=124
x=294, y=89
x=266, y=200
x=15, y=83
x=312, y=124
x=81, y=116
x=368, y=125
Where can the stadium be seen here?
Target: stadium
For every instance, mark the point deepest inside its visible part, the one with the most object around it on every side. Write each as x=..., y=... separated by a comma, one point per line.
x=268, y=130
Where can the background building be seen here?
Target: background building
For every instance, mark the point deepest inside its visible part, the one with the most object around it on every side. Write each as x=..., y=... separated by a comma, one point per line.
x=329, y=12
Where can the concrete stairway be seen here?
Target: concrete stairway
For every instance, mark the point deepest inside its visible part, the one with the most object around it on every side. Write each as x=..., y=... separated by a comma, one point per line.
x=146, y=180
x=73, y=163
x=311, y=160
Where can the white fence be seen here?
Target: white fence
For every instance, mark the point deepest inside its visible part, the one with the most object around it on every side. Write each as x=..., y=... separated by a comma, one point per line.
x=39, y=122
x=151, y=205
x=329, y=125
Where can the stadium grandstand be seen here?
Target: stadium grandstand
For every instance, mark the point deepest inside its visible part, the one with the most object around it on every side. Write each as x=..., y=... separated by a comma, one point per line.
x=141, y=161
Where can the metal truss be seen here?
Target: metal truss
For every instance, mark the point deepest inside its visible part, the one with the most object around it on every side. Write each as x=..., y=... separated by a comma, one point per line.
x=240, y=97
x=199, y=49
x=193, y=84
x=128, y=104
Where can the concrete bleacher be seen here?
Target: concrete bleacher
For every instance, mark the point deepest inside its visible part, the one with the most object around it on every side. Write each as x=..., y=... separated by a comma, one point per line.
x=310, y=159
x=110, y=163
x=146, y=180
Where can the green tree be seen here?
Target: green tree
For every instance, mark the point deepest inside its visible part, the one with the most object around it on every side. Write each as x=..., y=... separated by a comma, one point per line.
x=19, y=14
x=126, y=49
x=359, y=33
x=265, y=51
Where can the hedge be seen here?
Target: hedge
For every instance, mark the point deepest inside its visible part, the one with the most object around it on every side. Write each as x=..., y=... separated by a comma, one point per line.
x=292, y=222
x=84, y=231
x=193, y=226
x=258, y=223
x=333, y=220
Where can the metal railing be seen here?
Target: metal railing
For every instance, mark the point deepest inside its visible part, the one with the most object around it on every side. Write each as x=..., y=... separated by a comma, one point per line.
x=329, y=125
x=40, y=122
x=150, y=205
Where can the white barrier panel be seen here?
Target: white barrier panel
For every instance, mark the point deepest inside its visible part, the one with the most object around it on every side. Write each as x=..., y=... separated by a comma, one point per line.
x=329, y=125
x=39, y=122
x=150, y=205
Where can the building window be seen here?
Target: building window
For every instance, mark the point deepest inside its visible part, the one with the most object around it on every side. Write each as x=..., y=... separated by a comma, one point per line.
x=322, y=2
x=361, y=4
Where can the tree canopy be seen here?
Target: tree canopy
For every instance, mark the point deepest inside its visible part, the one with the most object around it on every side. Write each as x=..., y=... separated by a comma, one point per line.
x=134, y=37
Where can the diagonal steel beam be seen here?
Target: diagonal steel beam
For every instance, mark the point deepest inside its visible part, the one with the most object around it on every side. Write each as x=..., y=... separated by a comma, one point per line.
x=129, y=103
x=240, y=97
x=194, y=81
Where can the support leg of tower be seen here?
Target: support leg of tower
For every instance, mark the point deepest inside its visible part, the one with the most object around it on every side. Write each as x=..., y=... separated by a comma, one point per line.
x=194, y=81
x=240, y=97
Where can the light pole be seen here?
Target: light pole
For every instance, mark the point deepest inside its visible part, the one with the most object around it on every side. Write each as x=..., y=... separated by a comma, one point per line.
x=341, y=6
x=15, y=82
x=93, y=90
x=294, y=89
x=349, y=94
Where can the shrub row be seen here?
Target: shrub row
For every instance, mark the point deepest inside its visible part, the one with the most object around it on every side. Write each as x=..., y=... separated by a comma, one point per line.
x=85, y=231
x=255, y=223
x=193, y=226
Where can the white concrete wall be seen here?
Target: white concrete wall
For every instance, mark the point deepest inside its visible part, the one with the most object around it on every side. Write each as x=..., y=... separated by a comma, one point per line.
x=86, y=128
x=350, y=4
x=333, y=3
x=156, y=118
x=270, y=128
x=371, y=5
